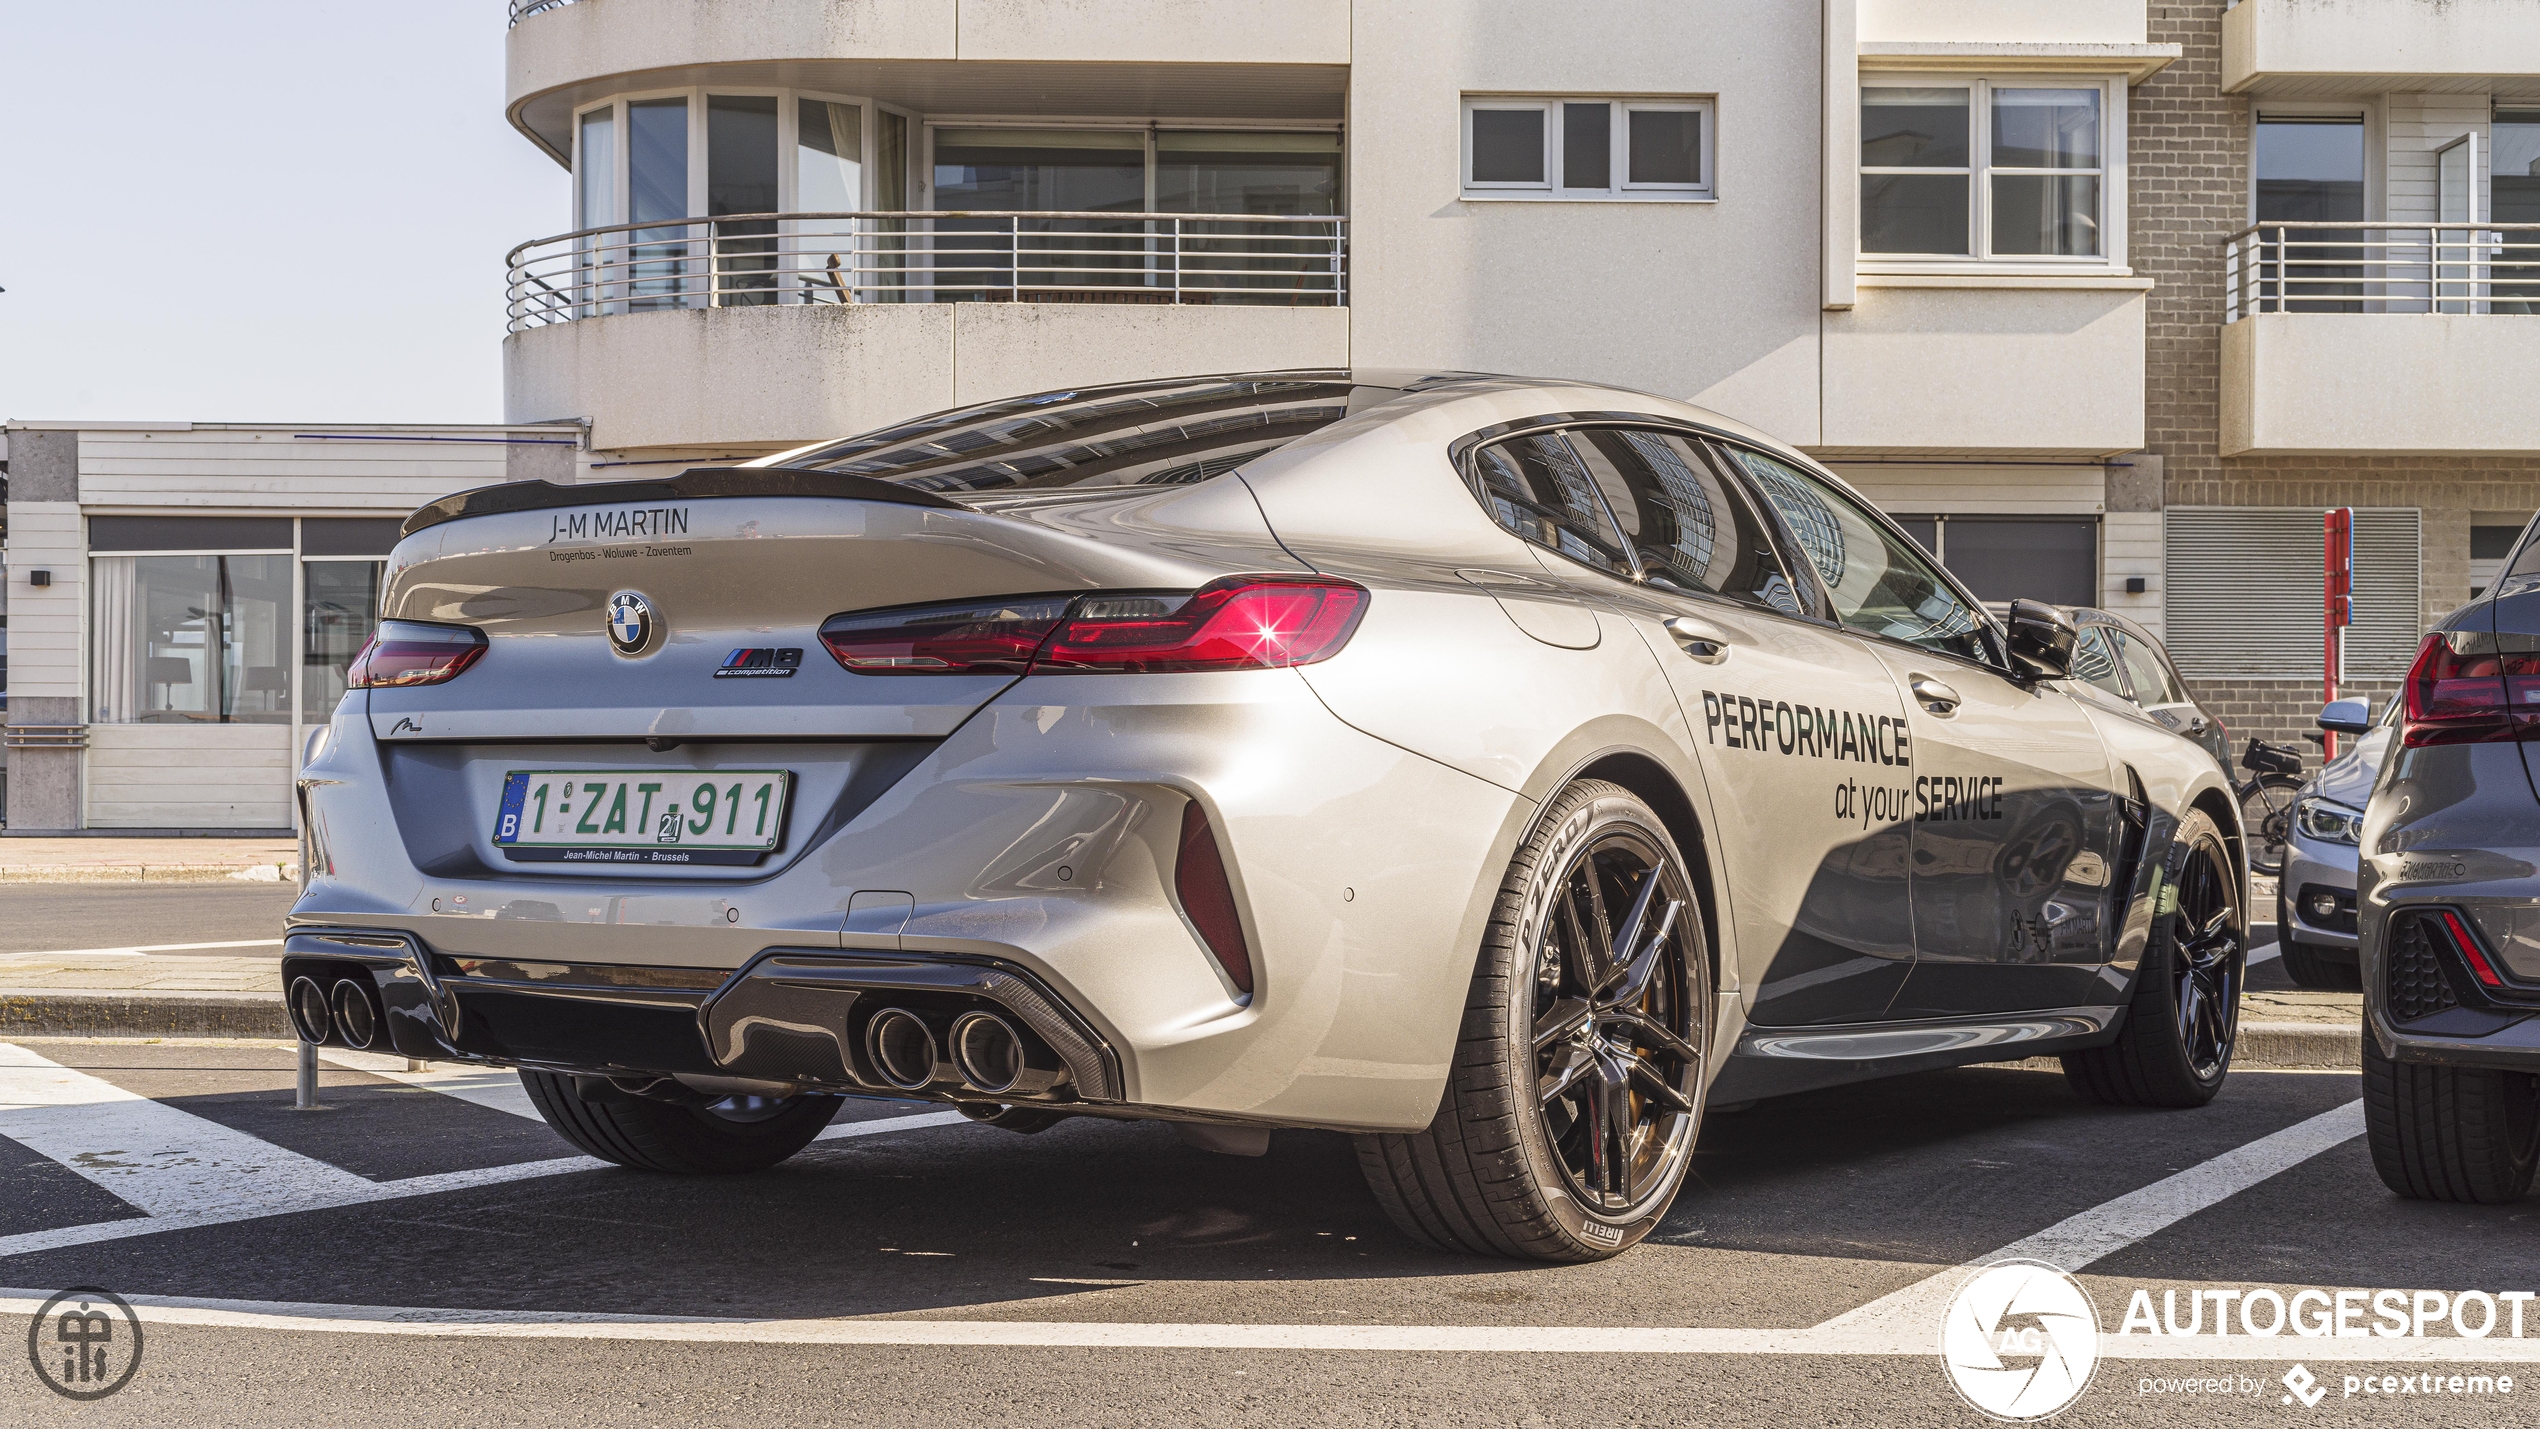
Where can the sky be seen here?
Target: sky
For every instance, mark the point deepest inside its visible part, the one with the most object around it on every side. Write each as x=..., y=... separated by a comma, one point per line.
x=259, y=210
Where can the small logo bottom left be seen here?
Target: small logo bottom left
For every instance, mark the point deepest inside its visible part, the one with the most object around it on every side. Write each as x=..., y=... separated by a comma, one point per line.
x=85, y=1343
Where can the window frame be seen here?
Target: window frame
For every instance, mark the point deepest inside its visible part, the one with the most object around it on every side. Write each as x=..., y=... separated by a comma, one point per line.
x=1619, y=187
x=1980, y=172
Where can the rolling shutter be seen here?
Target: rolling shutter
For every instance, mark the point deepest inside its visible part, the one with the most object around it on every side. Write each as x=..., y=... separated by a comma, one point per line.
x=2241, y=591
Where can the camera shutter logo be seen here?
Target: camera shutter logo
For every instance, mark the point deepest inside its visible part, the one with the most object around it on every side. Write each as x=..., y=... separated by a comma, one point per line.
x=630, y=622
x=2020, y=1341
x=85, y=1343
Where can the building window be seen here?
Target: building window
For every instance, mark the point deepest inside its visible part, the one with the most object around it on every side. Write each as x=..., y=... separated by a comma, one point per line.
x=2241, y=592
x=1990, y=170
x=1587, y=148
x=200, y=639
x=2007, y=558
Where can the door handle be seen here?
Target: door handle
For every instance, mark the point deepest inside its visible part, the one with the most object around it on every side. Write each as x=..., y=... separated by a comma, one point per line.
x=1935, y=696
x=1700, y=640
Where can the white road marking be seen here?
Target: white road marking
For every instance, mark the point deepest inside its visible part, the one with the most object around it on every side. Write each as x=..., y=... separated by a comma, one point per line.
x=2262, y=954
x=2105, y=1229
x=289, y=1316
x=147, y=949
x=183, y=1172
x=161, y=1161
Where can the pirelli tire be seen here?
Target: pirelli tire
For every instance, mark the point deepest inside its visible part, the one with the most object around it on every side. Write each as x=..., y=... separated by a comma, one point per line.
x=1575, y=1096
x=2463, y=1134
x=721, y=1139
x=2182, y=1022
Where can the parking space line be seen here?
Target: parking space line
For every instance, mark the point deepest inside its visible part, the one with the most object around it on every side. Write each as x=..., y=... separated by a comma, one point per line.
x=184, y=1172
x=289, y=1317
x=155, y=1158
x=2104, y=1229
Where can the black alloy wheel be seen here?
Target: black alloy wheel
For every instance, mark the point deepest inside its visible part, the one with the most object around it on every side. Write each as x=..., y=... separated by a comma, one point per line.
x=2208, y=952
x=2174, y=1047
x=1571, y=1109
x=1614, y=1073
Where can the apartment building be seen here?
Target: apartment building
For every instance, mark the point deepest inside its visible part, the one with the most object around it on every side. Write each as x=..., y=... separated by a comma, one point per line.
x=2107, y=300
x=2047, y=278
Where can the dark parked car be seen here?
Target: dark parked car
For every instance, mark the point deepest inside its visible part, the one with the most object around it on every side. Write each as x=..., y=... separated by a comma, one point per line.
x=2449, y=908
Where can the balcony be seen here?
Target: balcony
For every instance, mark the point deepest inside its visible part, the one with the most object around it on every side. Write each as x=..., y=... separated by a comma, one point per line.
x=523, y=9
x=2380, y=338
x=760, y=331
x=2341, y=48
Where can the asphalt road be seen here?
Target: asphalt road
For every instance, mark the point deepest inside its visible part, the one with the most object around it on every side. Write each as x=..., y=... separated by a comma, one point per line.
x=65, y=917
x=423, y=1251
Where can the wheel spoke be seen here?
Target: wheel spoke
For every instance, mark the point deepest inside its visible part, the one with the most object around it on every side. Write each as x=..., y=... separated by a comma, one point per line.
x=1560, y=1020
x=1667, y=1042
x=1601, y=1095
x=1587, y=958
x=1619, y=1118
x=1601, y=929
x=1658, y=1086
x=1643, y=965
x=1625, y=948
x=1555, y=1084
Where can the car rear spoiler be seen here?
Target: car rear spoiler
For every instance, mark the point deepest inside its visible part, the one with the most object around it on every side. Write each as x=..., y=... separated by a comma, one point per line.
x=696, y=483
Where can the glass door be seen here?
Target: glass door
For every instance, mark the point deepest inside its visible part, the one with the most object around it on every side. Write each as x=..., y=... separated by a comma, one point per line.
x=741, y=179
x=1261, y=173
x=2311, y=167
x=657, y=193
x=2513, y=196
x=2456, y=251
x=1040, y=259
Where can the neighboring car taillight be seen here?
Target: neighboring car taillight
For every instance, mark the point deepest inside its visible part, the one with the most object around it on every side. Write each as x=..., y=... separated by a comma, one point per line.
x=2464, y=688
x=1238, y=623
x=410, y=652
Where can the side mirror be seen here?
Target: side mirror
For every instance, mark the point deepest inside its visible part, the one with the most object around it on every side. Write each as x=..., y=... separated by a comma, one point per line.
x=2041, y=640
x=2346, y=716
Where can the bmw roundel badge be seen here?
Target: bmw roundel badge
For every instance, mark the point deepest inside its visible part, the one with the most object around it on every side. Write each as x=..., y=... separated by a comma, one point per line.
x=630, y=622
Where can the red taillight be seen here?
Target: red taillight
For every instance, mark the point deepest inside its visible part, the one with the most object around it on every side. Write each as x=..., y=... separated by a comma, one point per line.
x=1238, y=623
x=2467, y=946
x=409, y=652
x=977, y=637
x=2464, y=688
x=1199, y=879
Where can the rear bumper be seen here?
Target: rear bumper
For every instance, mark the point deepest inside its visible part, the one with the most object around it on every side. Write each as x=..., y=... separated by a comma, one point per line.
x=792, y=1015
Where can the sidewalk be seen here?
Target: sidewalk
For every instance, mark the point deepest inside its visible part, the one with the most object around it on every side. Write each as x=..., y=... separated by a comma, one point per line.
x=113, y=860
x=128, y=995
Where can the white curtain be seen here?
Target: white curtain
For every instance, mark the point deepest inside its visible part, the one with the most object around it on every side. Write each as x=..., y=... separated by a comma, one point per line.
x=115, y=654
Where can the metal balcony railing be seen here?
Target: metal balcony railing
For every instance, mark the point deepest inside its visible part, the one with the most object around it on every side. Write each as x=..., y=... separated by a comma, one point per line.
x=2311, y=266
x=771, y=259
x=523, y=9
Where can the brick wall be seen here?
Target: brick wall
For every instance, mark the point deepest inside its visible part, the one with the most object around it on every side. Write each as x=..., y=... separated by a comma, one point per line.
x=2278, y=711
x=2190, y=190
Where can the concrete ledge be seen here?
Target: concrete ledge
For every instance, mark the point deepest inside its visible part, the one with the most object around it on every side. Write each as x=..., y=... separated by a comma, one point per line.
x=2330, y=1045
x=47, y=1013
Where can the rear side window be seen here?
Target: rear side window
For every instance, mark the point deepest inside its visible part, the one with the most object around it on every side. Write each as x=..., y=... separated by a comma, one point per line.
x=1135, y=434
x=2153, y=682
x=1690, y=530
x=1881, y=584
x=2095, y=663
x=1537, y=488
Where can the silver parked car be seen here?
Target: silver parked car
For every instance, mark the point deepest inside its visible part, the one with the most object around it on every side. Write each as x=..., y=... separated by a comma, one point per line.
x=2449, y=905
x=1498, y=770
x=2315, y=896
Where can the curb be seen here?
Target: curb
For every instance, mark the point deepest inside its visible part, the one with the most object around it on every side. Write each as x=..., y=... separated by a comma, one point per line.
x=50, y=1013
x=150, y=873
x=2282, y=1045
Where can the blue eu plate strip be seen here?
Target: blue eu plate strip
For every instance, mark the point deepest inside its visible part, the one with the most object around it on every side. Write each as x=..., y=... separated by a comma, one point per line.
x=515, y=793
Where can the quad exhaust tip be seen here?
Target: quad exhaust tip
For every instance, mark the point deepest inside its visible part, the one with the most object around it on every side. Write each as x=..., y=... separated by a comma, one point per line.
x=311, y=1018
x=987, y=1052
x=356, y=1016
x=902, y=1047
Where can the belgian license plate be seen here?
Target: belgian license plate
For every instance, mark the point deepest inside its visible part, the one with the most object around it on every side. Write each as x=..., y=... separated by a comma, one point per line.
x=641, y=816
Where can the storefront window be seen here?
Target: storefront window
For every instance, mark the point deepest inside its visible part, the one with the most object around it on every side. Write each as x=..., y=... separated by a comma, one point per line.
x=192, y=639
x=341, y=605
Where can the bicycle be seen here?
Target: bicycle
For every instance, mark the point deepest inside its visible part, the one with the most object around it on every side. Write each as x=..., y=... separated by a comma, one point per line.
x=2266, y=803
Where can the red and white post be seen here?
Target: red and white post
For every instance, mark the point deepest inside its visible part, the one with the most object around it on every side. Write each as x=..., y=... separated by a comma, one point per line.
x=2338, y=610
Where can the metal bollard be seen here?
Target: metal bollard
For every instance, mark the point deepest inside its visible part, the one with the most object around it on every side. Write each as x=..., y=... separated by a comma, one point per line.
x=414, y=1064
x=307, y=1097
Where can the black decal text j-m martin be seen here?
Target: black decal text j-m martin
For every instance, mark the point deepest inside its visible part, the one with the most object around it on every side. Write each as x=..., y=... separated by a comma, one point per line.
x=621, y=524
